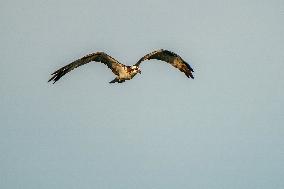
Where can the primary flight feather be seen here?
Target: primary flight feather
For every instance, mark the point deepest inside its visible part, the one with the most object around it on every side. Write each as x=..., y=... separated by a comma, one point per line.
x=122, y=71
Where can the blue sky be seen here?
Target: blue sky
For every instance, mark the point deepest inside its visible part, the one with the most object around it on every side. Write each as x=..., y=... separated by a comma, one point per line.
x=224, y=129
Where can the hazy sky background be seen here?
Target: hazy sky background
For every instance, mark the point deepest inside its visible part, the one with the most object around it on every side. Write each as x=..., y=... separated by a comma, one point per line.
x=224, y=129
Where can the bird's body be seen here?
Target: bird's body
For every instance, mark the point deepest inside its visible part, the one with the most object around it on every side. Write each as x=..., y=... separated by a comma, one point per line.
x=122, y=71
x=126, y=73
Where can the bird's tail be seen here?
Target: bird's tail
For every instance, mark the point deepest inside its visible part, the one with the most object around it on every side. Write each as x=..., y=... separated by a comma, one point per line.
x=114, y=81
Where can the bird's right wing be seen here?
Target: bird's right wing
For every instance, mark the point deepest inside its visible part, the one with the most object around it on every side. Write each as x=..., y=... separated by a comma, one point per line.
x=171, y=58
x=102, y=57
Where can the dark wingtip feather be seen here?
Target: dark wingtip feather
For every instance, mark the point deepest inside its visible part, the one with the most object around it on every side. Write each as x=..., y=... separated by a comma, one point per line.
x=51, y=78
x=56, y=76
x=189, y=75
x=188, y=66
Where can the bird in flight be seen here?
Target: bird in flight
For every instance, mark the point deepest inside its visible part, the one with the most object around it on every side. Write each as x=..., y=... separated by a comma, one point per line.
x=122, y=71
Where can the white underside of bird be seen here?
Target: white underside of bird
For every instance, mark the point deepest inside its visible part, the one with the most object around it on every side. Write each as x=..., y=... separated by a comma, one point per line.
x=126, y=74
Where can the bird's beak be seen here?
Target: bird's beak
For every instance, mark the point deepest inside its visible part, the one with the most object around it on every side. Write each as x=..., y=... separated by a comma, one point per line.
x=139, y=71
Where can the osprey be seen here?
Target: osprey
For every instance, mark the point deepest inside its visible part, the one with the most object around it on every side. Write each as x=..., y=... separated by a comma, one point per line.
x=122, y=71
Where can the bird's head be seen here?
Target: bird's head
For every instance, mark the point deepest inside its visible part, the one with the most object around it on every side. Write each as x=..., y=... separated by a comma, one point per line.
x=136, y=69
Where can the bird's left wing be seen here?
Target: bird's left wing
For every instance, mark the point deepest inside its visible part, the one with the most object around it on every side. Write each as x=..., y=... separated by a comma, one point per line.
x=171, y=58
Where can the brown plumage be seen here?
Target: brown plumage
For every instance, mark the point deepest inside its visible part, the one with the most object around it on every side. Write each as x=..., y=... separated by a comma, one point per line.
x=169, y=57
x=102, y=57
x=122, y=71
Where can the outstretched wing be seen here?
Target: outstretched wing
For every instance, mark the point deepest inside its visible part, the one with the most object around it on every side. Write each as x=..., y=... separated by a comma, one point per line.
x=169, y=57
x=102, y=57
